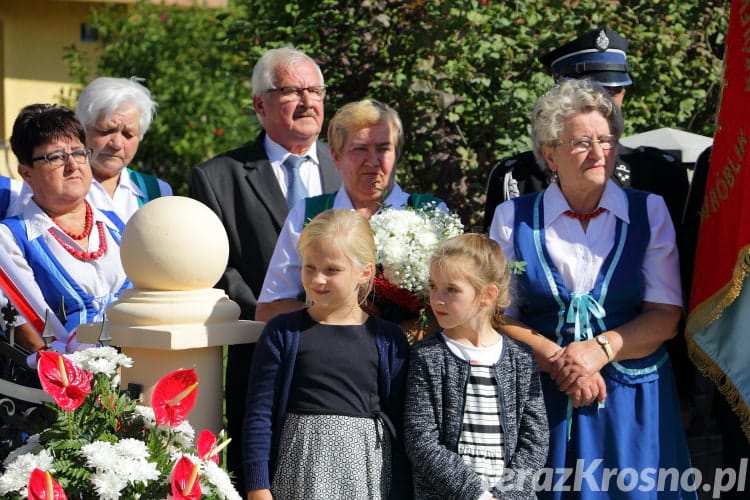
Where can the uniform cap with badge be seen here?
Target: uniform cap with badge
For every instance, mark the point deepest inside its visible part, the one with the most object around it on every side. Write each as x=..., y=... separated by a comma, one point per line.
x=599, y=55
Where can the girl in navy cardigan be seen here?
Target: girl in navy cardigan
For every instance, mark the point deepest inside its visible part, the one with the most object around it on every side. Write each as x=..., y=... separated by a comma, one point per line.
x=326, y=387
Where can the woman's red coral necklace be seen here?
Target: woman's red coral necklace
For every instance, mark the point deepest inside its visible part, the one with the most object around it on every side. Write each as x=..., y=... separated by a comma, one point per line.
x=89, y=223
x=585, y=217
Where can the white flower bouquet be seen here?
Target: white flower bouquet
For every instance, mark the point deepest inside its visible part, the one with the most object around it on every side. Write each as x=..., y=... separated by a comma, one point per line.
x=405, y=240
x=106, y=446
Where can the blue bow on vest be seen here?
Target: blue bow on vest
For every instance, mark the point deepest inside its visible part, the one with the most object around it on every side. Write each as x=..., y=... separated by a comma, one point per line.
x=582, y=307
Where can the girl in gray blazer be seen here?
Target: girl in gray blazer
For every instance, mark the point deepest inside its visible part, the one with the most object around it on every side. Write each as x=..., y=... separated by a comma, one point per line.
x=475, y=426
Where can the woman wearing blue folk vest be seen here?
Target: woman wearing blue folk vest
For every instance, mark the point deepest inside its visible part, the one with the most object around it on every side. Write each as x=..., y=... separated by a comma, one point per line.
x=116, y=113
x=366, y=139
x=65, y=250
x=597, y=281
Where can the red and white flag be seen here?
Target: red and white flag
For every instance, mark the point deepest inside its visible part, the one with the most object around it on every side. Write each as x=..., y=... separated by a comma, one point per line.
x=718, y=327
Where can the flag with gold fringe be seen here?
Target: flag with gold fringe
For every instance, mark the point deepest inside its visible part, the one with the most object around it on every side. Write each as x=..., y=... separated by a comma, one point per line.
x=718, y=326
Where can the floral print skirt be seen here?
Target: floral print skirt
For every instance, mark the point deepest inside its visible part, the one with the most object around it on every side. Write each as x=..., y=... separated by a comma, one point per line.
x=332, y=456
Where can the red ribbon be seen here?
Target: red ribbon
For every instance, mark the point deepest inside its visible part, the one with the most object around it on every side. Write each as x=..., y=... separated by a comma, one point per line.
x=20, y=302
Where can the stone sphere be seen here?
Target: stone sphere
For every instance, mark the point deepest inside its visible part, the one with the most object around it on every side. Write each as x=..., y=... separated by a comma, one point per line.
x=174, y=243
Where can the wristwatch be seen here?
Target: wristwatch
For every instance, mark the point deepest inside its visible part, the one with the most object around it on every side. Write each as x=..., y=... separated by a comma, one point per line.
x=603, y=341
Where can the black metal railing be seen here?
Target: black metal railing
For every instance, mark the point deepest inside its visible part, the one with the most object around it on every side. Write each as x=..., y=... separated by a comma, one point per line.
x=22, y=410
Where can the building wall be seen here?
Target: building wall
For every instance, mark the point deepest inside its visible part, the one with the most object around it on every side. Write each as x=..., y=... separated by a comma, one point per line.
x=34, y=34
x=33, y=37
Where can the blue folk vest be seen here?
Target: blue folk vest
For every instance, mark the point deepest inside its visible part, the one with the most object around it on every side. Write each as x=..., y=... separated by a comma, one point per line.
x=548, y=306
x=56, y=284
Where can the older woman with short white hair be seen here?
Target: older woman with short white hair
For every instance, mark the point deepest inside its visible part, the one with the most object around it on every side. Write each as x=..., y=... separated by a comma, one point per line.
x=600, y=289
x=116, y=113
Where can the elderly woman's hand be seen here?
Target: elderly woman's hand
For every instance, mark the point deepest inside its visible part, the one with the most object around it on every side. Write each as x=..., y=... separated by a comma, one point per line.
x=577, y=359
x=586, y=390
x=546, y=361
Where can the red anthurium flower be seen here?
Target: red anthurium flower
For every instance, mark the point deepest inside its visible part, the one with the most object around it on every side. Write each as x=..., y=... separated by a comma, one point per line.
x=42, y=486
x=208, y=449
x=206, y=443
x=185, y=481
x=64, y=381
x=174, y=396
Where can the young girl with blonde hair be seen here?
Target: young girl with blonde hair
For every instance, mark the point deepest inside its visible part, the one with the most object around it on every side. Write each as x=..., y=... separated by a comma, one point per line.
x=474, y=419
x=325, y=398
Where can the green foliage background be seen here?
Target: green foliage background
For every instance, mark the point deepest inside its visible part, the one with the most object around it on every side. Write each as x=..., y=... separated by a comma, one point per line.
x=462, y=74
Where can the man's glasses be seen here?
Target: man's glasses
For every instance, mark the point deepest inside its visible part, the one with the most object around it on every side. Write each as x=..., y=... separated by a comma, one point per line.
x=297, y=93
x=584, y=144
x=60, y=158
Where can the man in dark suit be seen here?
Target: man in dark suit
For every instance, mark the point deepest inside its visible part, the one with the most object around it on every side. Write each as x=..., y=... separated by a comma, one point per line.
x=251, y=190
x=598, y=55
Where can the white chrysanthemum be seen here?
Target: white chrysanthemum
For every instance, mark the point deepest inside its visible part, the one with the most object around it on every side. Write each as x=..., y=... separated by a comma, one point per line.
x=138, y=470
x=104, y=360
x=16, y=476
x=130, y=469
x=184, y=434
x=132, y=448
x=192, y=456
x=127, y=460
x=176, y=454
x=101, y=365
x=101, y=456
x=148, y=472
x=108, y=484
x=219, y=481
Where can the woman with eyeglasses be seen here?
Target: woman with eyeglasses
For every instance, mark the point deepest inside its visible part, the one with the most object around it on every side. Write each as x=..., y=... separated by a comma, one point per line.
x=64, y=249
x=366, y=139
x=597, y=282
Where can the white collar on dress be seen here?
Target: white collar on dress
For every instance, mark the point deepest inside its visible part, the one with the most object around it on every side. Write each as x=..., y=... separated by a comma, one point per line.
x=38, y=222
x=125, y=183
x=613, y=199
x=397, y=198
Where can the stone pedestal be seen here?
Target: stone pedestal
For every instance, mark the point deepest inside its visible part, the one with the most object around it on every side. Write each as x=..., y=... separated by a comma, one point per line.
x=162, y=342
x=174, y=250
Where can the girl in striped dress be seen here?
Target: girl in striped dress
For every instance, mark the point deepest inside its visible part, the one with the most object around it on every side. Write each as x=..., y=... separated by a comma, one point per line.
x=474, y=421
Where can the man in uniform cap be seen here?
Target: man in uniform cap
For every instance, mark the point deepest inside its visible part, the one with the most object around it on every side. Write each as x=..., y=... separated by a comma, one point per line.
x=601, y=56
